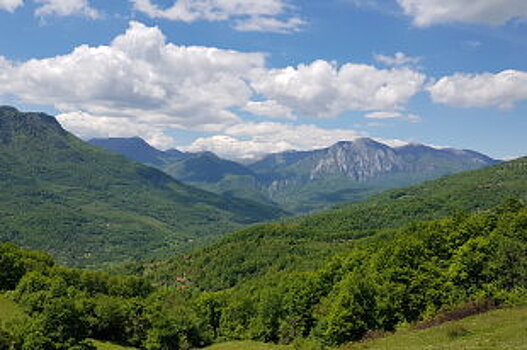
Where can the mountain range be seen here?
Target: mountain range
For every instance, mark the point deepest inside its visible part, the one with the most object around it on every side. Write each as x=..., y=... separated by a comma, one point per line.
x=89, y=206
x=407, y=255
x=307, y=241
x=301, y=181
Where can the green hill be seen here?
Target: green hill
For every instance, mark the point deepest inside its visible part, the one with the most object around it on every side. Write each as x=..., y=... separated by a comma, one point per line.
x=379, y=283
x=305, y=242
x=496, y=330
x=86, y=205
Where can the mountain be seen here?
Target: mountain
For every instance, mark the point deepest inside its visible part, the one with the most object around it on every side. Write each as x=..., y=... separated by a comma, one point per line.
x=137, y=149
x=205, y=167
x=451, y=246
x=89, y=206
x=134, y=148
x=354, y=170
x=204, y=170
x=308, y=180
x=365, y=160
x=307, y=241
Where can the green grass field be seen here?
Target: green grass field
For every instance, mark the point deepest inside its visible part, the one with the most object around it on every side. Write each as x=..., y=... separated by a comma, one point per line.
x=495, y=330
x=247, y=345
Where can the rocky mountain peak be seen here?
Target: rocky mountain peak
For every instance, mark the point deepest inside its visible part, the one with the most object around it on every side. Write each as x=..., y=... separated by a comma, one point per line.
x=360, y=159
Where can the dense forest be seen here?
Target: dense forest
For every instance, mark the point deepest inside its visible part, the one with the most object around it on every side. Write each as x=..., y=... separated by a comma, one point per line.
x=393, y=277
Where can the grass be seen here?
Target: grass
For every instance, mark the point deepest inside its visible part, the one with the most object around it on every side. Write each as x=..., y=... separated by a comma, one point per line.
x=247, y=345
x=100, y=345
x=495, y=330
x=9, y=310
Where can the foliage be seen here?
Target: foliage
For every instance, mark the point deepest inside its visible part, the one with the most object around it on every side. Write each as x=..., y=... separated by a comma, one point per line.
x=87, y=206
x=395, y=277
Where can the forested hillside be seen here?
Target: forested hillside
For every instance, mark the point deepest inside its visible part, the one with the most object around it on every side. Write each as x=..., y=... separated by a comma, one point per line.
x=305, y=242
x=397, y=276
x=88, y=206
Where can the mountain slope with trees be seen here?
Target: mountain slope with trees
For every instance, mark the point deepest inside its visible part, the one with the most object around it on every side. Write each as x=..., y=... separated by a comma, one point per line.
x=397, y=276
x=88, y=206
x=304, y=242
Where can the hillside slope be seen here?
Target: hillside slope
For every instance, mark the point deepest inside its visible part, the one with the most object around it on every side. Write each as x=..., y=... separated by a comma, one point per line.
x=305, y=242
x=376, y=284
x=87, y=205
x=495, y=330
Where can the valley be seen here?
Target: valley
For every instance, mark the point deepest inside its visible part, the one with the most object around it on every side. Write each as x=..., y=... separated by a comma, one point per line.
x=318, y=280
x=88, y=206
x=263, y=175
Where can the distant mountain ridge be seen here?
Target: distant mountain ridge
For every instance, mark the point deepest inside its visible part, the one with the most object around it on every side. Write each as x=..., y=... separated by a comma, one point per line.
x=89, y=206
x=365, y=159
x=302, y=181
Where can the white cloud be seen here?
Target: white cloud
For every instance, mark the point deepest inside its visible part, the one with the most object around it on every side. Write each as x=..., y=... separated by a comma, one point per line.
x=140, y=77
x=141, y=85
x=253, y=140
x=393, y=115
x=429, y=12
x=249, y=15
x=501, y=90
x=270, y=24
x=63, y=8
x=10, y=5
x=399, y=59
x=321, y=89
x=87, y=126
x=59, y=8
x=270, y=109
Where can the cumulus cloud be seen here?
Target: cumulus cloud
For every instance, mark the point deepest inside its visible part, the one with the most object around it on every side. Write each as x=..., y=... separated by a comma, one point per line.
x=429, y=12
x=141, y=77
x=248, y=15
x=322, y=89
x=63, y=8
x=501, y=90
x=399, y=59
x=253, y=140
x=10, y=5
x=58, y=8
x=393, y=115
x=269, y=108
x=270, y=24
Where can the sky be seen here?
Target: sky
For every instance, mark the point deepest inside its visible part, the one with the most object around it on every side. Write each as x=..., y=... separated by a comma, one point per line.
x=244, y=78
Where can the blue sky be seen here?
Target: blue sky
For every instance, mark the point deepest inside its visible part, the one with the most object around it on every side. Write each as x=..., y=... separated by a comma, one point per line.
x=247, y=77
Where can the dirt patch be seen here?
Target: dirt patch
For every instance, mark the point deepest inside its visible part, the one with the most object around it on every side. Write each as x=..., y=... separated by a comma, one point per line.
x=466, y=310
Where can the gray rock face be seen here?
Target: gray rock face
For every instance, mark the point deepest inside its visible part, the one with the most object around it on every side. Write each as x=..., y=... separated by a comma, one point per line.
x=359, y=160
x=363, y=160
